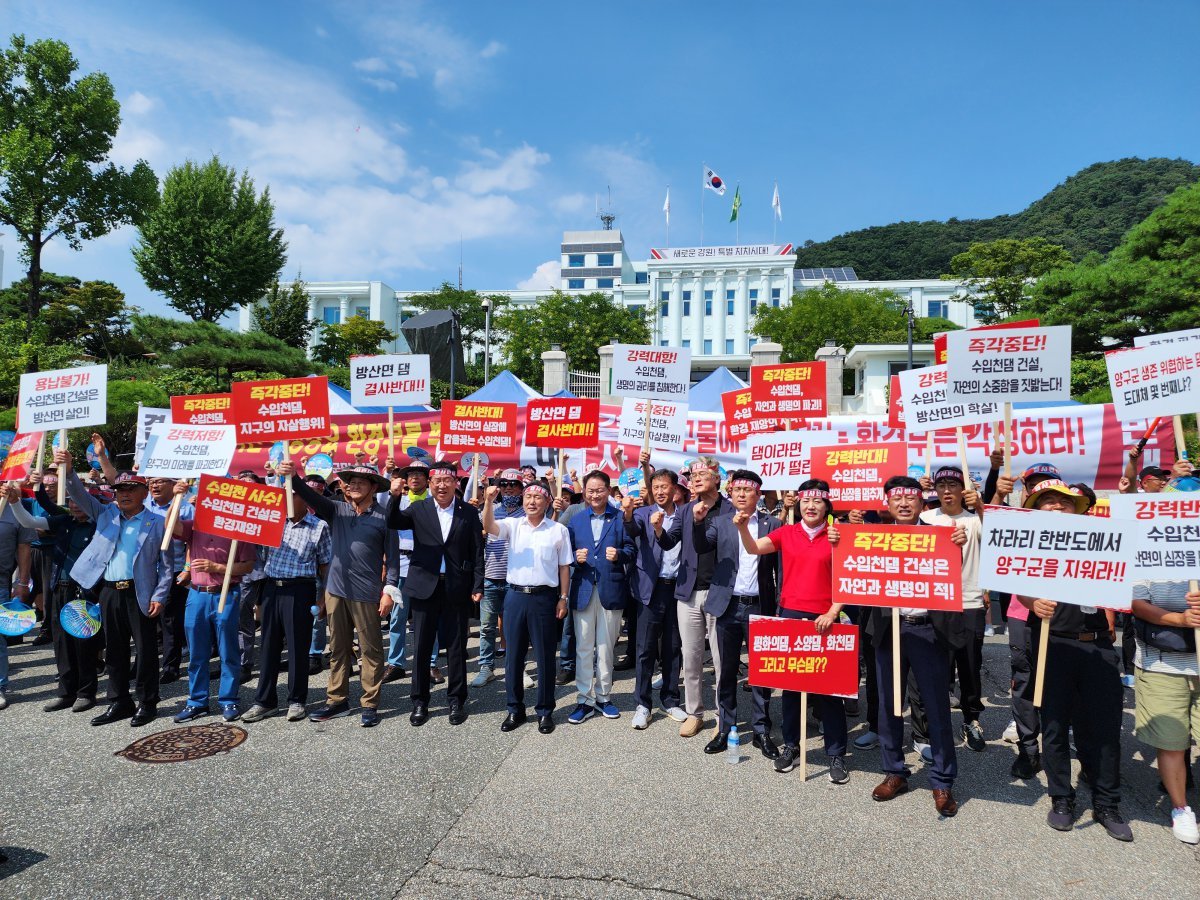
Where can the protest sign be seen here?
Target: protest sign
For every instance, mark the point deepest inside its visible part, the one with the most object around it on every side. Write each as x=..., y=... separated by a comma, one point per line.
x=389, y=380
x=64, y=398
x=928, y=408
x=939, y=339
x=1165, y=529
x=668, y=423
x=630, y=481
x=570, y=423
x=22, y=456
x=202, y=409
x=789, y=390
x=855, y=475
x=147, y=418
x=740, y=421
x=1082, y=560
x=1009, y=364
x=789, y=655
x=780, y=458
x=1155, y=380
x=895, y=404
x=188, y=451
x=467, y=425
x=916, y=566
x=240, y=511
x=1186, y=336
x=657, y=373
x=286, y=409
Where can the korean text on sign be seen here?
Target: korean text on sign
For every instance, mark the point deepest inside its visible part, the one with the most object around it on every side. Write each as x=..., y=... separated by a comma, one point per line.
x=789, y=391
x=468, y=426
x=855, y=474
x=21, y=457
x=202, y=409
x=389, y=380
x=740, y=420
x=288, y=409
x=658, y=373
x=1082, y=560
x=1158, y=380
x=241, y=510
x=1166, y=533
x=789, y=655
x=188, y=451
x=927, y=406
x=1009, y=364
x=668, y=424
x=939, y=340
x=572, y=423
x=915, y=566
x=780, y=458
x=65, y=398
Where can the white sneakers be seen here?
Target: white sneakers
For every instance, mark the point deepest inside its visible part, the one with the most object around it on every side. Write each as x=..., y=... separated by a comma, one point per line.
x=1183, y=825
x=676, y=713
x=1010, y=733
x=482, y=677
x=641, y=718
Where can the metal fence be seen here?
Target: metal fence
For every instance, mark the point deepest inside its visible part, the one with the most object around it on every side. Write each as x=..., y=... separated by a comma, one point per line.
x=584, y=384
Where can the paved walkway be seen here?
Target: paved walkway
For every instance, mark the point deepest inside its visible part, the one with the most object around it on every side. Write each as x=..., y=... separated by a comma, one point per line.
x=598, y=810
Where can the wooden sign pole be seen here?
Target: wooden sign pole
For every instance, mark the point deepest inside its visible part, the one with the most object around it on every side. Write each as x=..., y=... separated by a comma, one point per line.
x=62, y=469
x=1194, y=586
x=1039, y=679
x=897, y=691
x=929, y=454
x=172, y=519
x=287, y=483
x=803, y=736
x=1180, y=442
x=391, y=436
x=233, y=548
x=558, y=475
x=40, y=467
x=1008, y=440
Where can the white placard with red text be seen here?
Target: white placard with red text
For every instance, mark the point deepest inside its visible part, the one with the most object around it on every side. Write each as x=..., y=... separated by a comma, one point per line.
x=64, y=398
x=1081, y=560
x=658, y=373
x=1166, y=533
x=780, y=458
x=928, y=408
x=1008, y=365
x=188, y=451
x=668, y=424
x=1157, y=380
x=1188, y=336
x=389, y=380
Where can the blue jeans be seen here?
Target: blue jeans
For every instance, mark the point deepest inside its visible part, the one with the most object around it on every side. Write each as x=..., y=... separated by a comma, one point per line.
x=491, y=608
x=566, y=649
x=201, y=623
x=398, y=631
x=3, y=664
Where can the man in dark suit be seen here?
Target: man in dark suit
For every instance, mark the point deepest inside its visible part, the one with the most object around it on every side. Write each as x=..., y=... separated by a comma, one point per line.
x=445, y=576
x=743, y=585
x=599, y=587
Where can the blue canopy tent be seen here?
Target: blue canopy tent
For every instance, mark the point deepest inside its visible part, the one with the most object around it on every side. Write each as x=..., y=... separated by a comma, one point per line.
x=564, y=394
x=505, y=388
x=339, y=405
x=705, y=396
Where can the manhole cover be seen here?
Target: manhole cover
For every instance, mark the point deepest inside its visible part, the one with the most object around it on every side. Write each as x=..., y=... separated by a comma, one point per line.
x=183, y=744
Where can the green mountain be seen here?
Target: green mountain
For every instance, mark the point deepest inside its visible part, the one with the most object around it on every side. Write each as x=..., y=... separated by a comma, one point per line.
x=1090, y=211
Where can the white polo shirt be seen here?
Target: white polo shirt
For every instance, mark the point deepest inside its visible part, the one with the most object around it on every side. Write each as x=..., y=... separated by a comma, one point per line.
x=534, y=554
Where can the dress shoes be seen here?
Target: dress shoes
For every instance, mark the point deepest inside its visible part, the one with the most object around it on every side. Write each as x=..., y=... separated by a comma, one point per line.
x=393, y=673
x=436, y=676
x=167, y=675
x=512, y=721
x=564, y=676
x=458, y=715
x=718, y=744
x=944, y=802
x=891, y=787
x=764, y=743
x=114, y=713
x=545, y=724
x=315, y=664
x=59, y=703
x=83, y=704
x=145, y=714
x=419, y=715
x=625, y=662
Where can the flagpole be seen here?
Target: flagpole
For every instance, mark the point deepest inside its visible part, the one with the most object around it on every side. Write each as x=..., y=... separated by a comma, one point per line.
x=774, y=216
x=737, y=223
x=669, y=216
x=702, y=180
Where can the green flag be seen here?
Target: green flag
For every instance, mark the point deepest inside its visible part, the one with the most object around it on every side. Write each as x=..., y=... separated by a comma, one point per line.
x=737, y=203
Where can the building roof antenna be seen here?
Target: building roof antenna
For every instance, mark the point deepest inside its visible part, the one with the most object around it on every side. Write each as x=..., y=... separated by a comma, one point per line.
x=606, y=215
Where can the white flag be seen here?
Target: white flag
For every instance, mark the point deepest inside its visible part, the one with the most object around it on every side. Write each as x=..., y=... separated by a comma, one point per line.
x=775, y=205
x=714, y=182
x=667, y=206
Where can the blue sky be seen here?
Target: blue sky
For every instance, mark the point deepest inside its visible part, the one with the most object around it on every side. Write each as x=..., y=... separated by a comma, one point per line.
x=386, y=131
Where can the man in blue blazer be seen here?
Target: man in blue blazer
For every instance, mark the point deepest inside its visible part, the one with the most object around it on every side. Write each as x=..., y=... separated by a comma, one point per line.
x=125, y=563
x=599, y=587
x=743, y=585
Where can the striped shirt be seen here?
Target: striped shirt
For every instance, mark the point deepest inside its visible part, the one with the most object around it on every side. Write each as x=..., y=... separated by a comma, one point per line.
x=495, y=552
x=306, y=544
x=1171, y=596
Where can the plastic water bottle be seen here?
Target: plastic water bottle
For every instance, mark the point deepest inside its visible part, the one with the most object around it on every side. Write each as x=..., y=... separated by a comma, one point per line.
x=315, y=610
x=733, y=748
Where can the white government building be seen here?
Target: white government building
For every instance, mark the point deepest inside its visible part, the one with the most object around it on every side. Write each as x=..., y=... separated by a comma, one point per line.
x=703, y=298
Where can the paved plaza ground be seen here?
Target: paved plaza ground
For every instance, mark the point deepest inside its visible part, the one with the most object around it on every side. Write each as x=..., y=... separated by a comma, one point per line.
x=598, y=810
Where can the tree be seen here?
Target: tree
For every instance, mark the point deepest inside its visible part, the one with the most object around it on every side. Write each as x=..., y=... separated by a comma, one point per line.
x=55, y=137
x=284, y=314
x=1000, y=274
x=357, y=336
x=14, y=299
x=847, y=317
x=18, y=352
x=468, y=305
x=227, y=355
x=211, y=244
x=1150, y=283
x=579, y=324
x=95, y=318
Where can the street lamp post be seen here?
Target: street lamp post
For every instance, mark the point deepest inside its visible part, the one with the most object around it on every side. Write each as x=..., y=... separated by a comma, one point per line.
x=487, y=340
x=909, y=312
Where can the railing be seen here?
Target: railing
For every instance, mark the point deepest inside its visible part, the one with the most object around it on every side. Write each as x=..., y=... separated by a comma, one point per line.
x=584, y=384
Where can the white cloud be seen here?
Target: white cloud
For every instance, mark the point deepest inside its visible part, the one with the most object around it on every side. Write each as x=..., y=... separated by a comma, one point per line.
x=320, y=32
x=371, y=64
x=132, y=143
x=405, y=68
x=382, y=84
x=570, y=204
x=546, y=277
x=332, y=148
x=515, y=172
x=138, y=104
x=492, y=49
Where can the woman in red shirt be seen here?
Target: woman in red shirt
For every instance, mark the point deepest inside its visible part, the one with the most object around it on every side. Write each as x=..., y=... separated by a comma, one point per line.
x=807, y=593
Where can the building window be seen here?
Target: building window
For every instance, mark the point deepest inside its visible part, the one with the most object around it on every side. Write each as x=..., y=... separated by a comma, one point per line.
x=575, y=260
x=664, y=296
x=332, y=315
x=575, y=284
x=938, y=309
x=363, y=312
x=753, y=293
x=753, y=305
x=708, y=295
x=665, y=308
x=604, y=259
x=687, y=343
x=751, y=342
x=775, y=292
x=707, y=347
x=664, y=343
x=728, y=345
x=895, y=368
x=687, y=304
x=708, y=307
x=729, y=307
x=687, y=295
x=637, y=309
x=604, y=282
x=641, y=277
x=730, y=294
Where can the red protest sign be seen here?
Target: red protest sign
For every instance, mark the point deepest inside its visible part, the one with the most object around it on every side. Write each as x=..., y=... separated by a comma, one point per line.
x=788, y=391
x=740, y=420
x=856, y=473
x=895, y=404
x=468, y=426
x=915, y=566
x=939, y=340
x=287, y=409
x=202, y=409
x=789, y=655
x=563, y=423
x=21, y=456
x=240, y=510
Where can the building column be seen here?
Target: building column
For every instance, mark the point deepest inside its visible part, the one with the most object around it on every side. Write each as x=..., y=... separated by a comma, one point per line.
x=606, y=361
x=676, y=307
x=697, y=336
x=835, y=363
x=741, y=310
x=720, y=323
x=343, y=309
x=554, y=370
x=766, y=353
